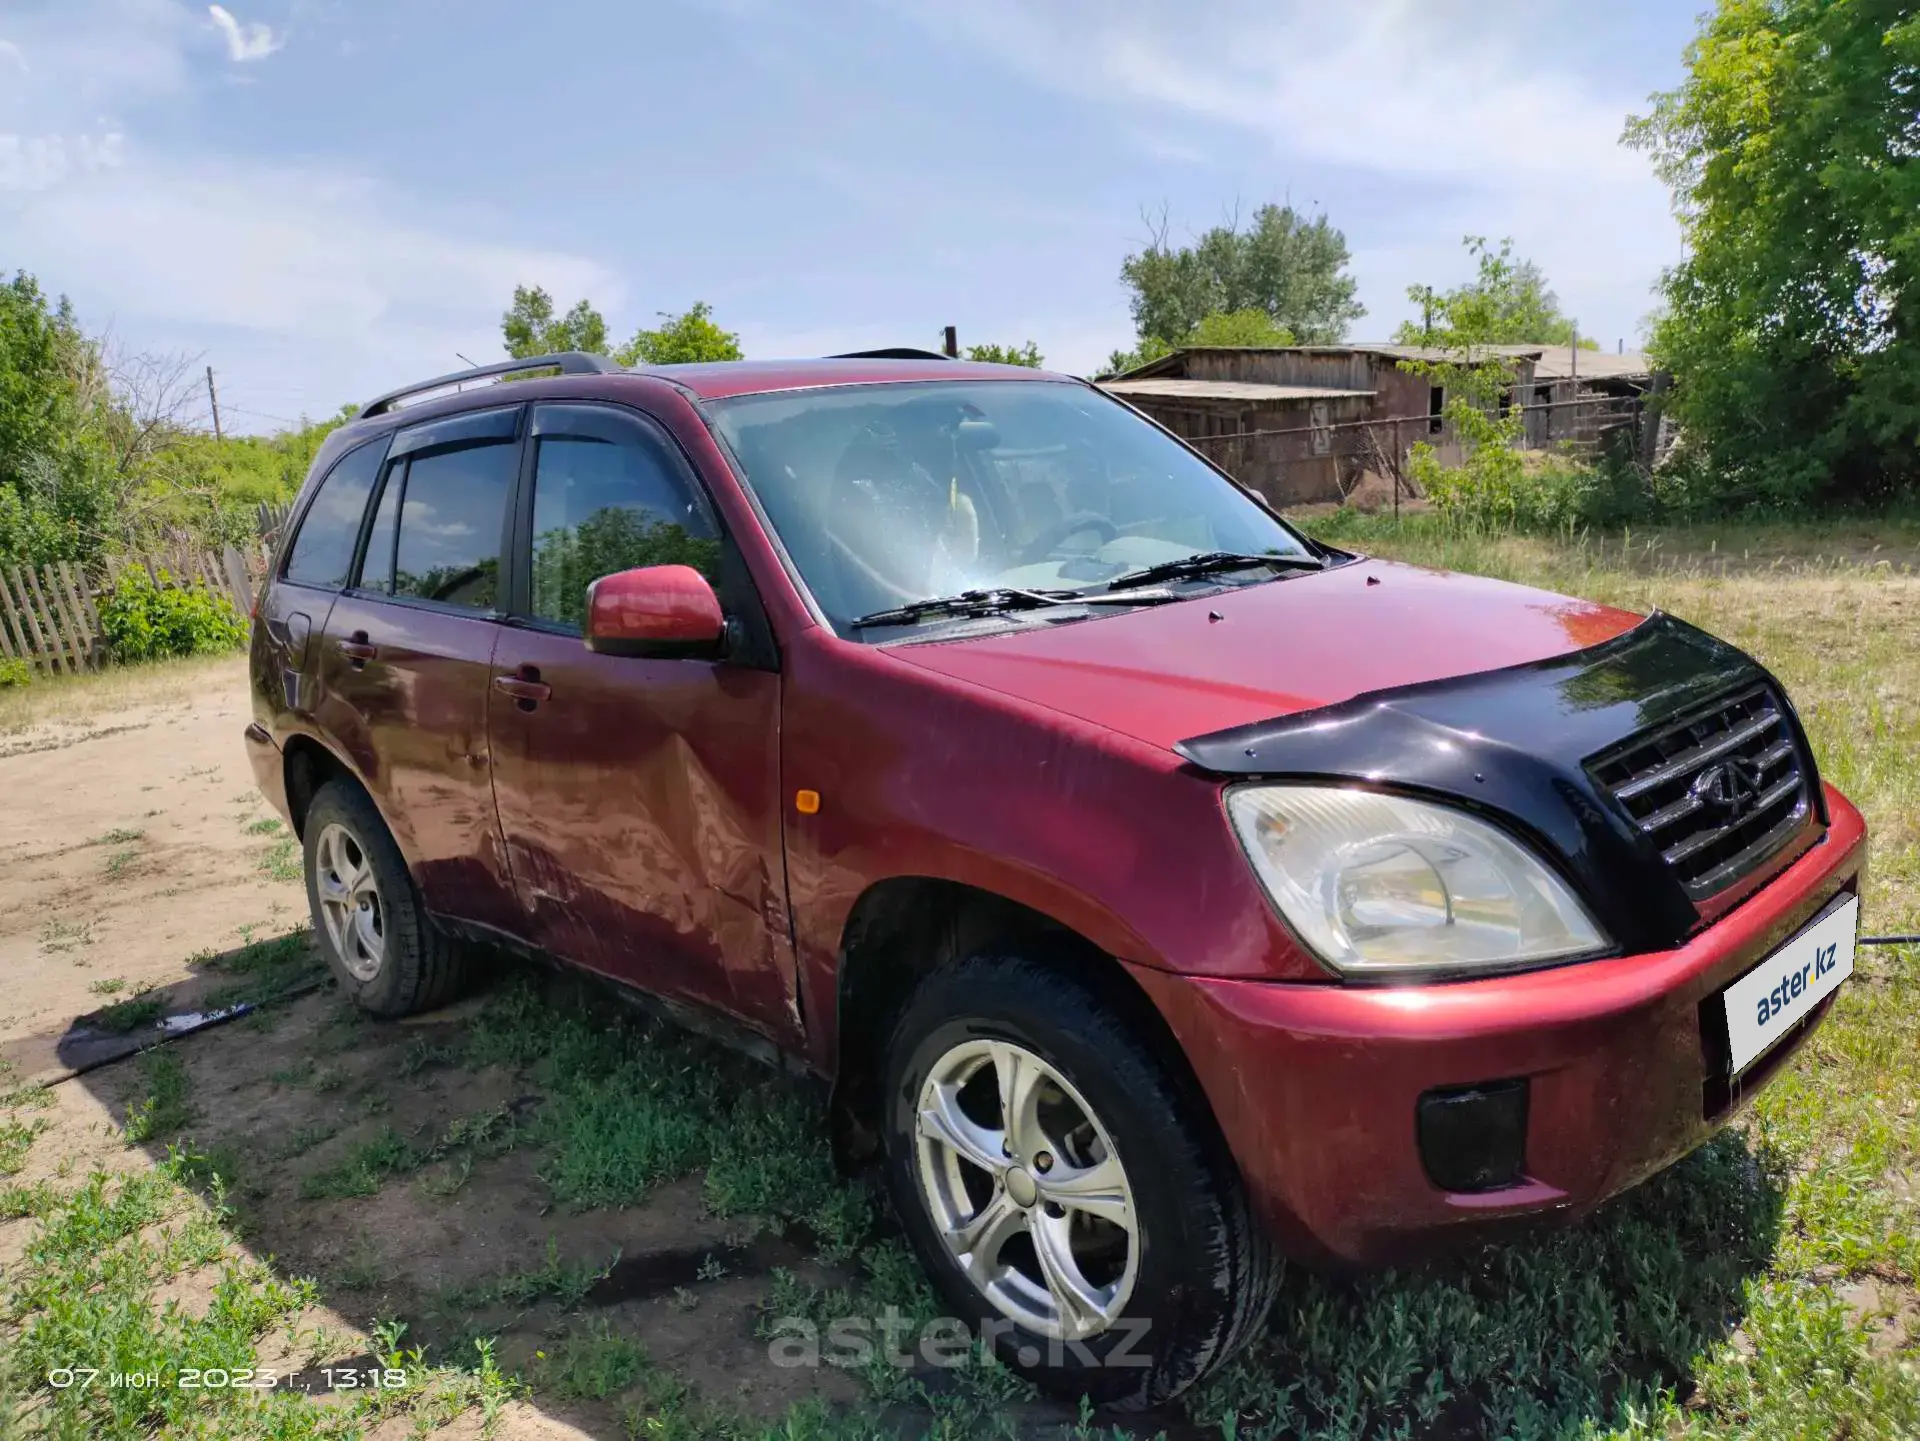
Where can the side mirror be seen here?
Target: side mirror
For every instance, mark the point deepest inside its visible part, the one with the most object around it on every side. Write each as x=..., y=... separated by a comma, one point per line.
x=656, y=610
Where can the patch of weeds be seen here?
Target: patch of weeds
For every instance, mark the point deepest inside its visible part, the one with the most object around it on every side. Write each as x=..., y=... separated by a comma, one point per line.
x=298, y=1074
x=424, y=1054
x=264, y=970
x=328, y=1078
x=298, y=1143
x=58, y=936
x=130, y=1014
x=108, y=986
x=118, y=836
x=16, y=1139
x=265, y=826
x=26, y=1098
x=85, y=1295
x=590, y=1363
x=375, y=1103
x=363, y=1268
x=120, y=862
x=630, y=1105
x=163, y=1107
x=284, y=861
x=448, y=1179
x=38, y=1199
x=360, y=1174
x=565, y=1283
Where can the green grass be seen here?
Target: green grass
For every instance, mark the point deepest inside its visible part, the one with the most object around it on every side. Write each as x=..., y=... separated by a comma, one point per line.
x=162, y=1105
x=16, y=1139
x=130, y=1014
x=118, y=836
x=283, y=861
x=265, y=826
x=360, y=1174
x=630, y=1104
x=588, y=1364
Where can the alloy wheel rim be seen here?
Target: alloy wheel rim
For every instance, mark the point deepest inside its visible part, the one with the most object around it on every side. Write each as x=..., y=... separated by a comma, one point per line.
x=1024, y=1186
x=350, y=905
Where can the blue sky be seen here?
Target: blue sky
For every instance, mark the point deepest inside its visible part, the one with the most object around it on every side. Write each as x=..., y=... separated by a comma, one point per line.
x=324, y=198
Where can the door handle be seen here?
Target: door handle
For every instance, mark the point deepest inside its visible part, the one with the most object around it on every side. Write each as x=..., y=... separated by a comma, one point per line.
x=526, y=688
x=357, y=650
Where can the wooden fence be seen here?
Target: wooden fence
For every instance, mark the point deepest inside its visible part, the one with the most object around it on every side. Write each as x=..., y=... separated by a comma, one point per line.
x=50, y=616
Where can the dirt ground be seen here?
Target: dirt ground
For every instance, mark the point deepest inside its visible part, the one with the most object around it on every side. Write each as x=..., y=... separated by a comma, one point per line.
x=137, y=862
x=124, y=851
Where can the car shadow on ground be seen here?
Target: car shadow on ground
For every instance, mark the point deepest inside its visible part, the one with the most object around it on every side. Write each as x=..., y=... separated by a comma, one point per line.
x=447, y=1172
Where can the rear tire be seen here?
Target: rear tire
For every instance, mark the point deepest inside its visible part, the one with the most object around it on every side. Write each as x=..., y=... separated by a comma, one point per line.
x=382, y=948
x=1103, y=1243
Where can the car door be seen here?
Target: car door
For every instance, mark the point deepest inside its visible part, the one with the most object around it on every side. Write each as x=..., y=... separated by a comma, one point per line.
x=638, y=797
x=319, y=563
x=408, y=654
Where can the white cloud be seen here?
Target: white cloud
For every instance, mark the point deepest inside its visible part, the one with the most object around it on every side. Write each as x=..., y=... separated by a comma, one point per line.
x=306, y=271
x=1477, y=107
x=251, y=41
x=301, y=282
x=14, y=56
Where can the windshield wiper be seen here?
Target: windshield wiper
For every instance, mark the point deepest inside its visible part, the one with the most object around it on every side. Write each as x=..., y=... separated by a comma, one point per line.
x=1210, y=562
x=998, y=601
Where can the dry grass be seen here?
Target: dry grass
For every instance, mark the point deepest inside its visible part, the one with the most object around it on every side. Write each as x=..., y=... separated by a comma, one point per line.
x=79, y=700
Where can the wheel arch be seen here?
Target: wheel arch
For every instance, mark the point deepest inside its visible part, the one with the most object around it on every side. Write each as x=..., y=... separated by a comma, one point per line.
x=902, y=930
x=309, y=764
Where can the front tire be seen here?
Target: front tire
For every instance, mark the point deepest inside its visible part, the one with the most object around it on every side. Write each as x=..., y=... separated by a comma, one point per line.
x=367, y=918
x=1068, y=1199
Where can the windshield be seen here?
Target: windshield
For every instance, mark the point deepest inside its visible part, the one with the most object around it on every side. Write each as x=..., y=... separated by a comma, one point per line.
x=884, y=495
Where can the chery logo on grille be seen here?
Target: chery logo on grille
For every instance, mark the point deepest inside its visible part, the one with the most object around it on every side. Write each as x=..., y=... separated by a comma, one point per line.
x=1731, y=787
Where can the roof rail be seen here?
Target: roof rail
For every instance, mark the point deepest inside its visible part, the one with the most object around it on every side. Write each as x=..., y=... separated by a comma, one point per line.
x=892, y=352
x=567, y=362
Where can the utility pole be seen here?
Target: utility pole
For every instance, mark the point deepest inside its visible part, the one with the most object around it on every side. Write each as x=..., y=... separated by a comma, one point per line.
x=953, y=342
x=213, y=399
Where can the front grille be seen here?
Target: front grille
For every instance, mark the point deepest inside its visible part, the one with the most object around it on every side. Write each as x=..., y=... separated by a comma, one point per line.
x=1719, y=791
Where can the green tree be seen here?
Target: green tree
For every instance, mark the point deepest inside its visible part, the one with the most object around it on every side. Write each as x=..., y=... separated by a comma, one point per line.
x=39, y=344
x=1506, y=303
x=1237, y=328
x=1027, y=355
x=1290, y=268
x=529, y=326
x=1792, y=327
x=681, y=339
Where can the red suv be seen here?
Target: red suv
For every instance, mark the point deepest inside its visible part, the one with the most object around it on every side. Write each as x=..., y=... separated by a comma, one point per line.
x=1162, y=891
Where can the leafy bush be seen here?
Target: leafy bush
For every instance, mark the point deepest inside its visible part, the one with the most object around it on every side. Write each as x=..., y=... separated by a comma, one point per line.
x=14, y=672
x=145, y=621
x=1501, y=489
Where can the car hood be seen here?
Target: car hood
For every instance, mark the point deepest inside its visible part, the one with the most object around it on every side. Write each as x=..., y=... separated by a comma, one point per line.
x=1164, y=673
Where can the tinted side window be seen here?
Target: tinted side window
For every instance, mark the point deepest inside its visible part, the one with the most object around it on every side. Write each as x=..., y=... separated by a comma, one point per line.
x=608, y=496
x=323, y=550
x=450, y=517
x=376, y=565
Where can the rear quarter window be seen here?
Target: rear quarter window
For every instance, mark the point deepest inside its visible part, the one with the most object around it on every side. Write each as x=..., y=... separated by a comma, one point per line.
x=322, y=553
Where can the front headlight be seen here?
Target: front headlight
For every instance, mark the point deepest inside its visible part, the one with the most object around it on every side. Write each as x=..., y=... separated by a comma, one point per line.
x=1380, y=884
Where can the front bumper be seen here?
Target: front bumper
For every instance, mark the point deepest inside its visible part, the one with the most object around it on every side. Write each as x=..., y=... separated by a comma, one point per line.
x=1317, y=1086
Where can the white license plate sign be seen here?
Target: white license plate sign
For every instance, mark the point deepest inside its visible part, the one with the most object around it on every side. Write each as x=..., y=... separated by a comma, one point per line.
x=1763, y=1005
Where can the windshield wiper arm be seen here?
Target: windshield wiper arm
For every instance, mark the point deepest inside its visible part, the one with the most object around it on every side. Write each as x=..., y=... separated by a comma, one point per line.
x=1210, y=562
x=997, y=601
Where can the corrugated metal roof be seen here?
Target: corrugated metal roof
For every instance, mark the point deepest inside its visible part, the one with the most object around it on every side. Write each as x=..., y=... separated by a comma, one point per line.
x=1228, y=390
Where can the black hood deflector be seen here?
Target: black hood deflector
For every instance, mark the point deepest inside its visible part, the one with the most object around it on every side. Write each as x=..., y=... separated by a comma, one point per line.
x=1512, y=743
